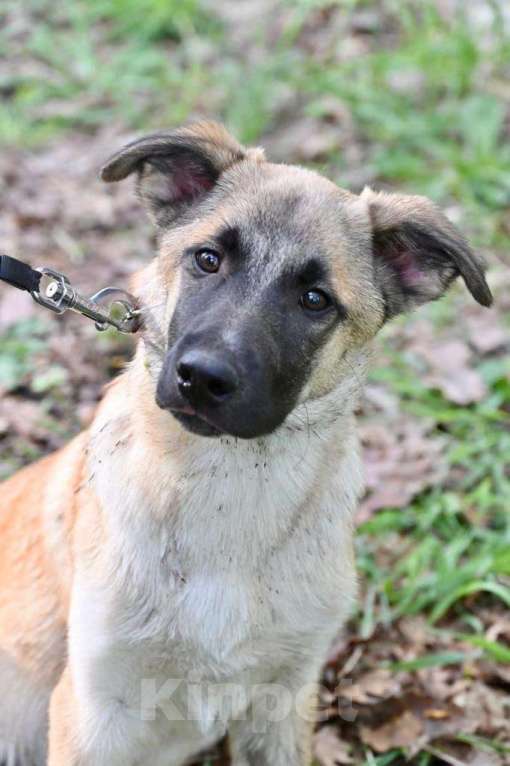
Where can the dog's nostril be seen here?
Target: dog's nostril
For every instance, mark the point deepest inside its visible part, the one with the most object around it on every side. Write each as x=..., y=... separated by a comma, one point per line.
x=204, y=379
x=185, y=372
x=220, y=387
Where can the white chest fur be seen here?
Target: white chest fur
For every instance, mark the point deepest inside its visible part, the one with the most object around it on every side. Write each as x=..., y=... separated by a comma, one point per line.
x=223, y=557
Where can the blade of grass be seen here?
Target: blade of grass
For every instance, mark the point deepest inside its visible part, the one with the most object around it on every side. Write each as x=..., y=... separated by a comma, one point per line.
x=501, y=591
x=498, y=651
x=429, y=661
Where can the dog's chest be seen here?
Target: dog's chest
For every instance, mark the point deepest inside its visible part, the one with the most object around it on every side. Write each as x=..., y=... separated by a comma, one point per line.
x=220, y=567
x=233, y=567
x=216, y=565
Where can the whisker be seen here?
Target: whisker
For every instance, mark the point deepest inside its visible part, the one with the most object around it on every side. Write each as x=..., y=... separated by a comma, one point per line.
x=154, y=346
x=143, y=309
x=355, y=373
x=150, y=330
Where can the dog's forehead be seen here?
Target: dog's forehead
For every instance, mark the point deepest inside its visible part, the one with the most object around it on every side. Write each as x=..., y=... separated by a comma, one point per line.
x=283, y=196
x=285, y=214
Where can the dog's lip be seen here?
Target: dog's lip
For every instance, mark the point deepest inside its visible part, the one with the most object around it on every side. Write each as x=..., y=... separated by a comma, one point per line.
x=187, y=409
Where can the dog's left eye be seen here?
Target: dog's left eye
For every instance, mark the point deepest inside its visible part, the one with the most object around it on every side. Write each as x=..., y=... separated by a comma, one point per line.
x=315, y=300
x=208, y=260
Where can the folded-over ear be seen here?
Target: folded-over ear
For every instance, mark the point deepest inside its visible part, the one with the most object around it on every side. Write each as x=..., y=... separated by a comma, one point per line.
x=176, y=168
x=418, y=252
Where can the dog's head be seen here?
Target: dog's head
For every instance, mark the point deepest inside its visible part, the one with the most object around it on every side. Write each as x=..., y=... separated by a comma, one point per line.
x=271, y=275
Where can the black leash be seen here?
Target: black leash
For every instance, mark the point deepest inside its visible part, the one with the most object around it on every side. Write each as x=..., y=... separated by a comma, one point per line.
x=51, y=289
x=19, y=274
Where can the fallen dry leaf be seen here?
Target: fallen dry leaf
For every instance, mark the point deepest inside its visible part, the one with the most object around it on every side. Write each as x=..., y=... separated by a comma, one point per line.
x=450, y=372
x=307, y=139
x=402, y=731
x=487, y=706
x=22, y=418
x=372, y=687
x=329, y=749
x=443, y=683
x=483, y=758
x=473, y=758
x=487, y=333
x=416, y=631
x=412, y=721
x=400, y=462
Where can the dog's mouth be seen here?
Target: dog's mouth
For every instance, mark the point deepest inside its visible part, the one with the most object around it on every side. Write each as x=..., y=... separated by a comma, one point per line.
x=194, y=422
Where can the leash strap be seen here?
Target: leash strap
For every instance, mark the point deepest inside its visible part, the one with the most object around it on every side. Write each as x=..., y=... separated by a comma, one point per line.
x=19, y=274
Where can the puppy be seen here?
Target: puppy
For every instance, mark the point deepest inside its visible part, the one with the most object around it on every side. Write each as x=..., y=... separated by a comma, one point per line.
x=179, y=569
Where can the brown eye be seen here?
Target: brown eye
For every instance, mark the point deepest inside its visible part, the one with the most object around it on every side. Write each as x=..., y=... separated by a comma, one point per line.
x=315, y=300
x=208, y=260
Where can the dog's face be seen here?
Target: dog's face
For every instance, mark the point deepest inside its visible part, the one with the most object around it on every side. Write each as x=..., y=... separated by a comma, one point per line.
x=272, y=277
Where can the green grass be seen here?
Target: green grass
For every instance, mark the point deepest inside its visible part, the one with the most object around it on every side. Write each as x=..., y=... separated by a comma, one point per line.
x=430, y=109
x=456, y=554
x=20, y=347
x=99, y=61
x=431, y=112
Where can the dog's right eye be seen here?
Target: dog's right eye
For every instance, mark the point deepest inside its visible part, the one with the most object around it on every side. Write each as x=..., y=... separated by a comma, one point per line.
x=208, y=260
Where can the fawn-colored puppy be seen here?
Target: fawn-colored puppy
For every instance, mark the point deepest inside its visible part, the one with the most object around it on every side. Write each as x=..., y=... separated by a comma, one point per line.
x=179, y=569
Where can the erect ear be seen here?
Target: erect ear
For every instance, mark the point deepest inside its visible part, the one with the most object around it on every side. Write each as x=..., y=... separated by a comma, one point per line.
x=418, y=252
x=177, y=168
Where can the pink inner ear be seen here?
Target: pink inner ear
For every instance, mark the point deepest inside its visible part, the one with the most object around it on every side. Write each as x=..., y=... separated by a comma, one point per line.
x=188, y=182
x=405, y=265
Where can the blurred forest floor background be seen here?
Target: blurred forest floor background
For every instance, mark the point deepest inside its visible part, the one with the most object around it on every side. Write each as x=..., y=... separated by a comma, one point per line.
x=407, y=95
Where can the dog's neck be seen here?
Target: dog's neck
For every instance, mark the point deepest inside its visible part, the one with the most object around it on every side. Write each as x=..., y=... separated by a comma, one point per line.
x=221, y=491
x=319, y=415
x=300, y=450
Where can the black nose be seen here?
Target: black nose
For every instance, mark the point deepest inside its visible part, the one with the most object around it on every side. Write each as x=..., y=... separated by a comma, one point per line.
x=204, y=379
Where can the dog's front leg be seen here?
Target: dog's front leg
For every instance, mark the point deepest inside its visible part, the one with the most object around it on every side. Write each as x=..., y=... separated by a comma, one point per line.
x=277, y=727
x=79, y=735
x=63, y=738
